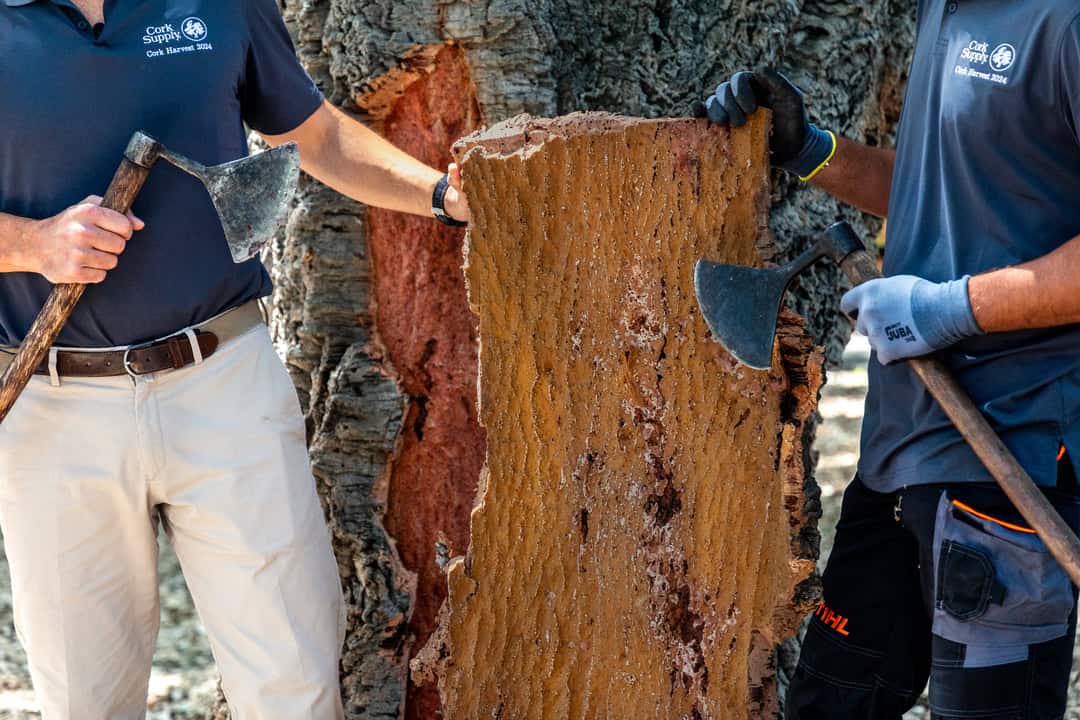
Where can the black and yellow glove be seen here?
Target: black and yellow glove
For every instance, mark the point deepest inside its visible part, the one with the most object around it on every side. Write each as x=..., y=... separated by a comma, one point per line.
x=796, y=144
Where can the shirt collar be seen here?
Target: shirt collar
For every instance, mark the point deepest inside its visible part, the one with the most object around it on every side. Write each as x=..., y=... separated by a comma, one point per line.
x=18, y=3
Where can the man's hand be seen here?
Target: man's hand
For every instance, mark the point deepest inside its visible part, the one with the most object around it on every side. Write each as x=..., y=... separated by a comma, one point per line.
x=457, y=205
x=796, y=144
x=79, y=245
x=905, y=316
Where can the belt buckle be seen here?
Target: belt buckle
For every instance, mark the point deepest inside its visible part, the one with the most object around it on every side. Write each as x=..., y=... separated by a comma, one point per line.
x=127, y=360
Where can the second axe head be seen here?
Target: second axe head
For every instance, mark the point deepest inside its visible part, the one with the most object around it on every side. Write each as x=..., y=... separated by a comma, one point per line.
x=251, y=195
x=741, y=305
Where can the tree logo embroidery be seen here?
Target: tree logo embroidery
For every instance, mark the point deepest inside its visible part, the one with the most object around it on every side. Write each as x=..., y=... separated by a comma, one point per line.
x=194, y=29
x=1002, y=58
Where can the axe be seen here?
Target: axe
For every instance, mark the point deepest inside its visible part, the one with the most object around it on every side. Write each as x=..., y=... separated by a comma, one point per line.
x=251, y=196
x=741, y=306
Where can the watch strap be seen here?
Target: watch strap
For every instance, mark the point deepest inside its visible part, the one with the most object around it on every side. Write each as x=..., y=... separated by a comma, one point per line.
x=438, y=204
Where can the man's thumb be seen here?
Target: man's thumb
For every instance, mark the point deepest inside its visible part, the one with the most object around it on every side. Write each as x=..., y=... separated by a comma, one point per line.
x=774, y=86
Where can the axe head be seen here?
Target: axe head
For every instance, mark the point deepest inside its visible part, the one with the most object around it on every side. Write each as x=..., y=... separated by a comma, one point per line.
x=251, y=195
x=741, y=306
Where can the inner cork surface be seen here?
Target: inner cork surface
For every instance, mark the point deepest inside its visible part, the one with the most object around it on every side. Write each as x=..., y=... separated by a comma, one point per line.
x=639, y=544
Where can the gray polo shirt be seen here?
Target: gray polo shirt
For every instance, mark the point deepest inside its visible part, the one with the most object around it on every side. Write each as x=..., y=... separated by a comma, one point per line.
x=189, y=72
x=987, y=175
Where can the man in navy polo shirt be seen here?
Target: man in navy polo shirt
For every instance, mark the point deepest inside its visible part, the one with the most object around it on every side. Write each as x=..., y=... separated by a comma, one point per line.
x=934, y=574
x=210, y=441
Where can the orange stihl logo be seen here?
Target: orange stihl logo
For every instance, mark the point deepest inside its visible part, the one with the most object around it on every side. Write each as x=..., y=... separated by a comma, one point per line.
x=833, y=620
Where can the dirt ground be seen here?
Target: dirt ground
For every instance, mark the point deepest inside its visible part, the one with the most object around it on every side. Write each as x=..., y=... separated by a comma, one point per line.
x=183, y=680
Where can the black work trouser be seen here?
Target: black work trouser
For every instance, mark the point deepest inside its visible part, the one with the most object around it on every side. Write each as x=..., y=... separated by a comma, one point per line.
x=941, y=582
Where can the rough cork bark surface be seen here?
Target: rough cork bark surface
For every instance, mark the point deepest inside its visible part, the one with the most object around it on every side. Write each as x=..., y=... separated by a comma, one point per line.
x=359, y=366
x=640, y=543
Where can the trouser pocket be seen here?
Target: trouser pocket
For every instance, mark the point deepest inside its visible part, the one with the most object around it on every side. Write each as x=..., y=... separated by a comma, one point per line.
x=997, y=589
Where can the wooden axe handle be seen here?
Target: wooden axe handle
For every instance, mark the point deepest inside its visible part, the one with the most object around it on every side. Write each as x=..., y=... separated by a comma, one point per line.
x=120, y=196
x=973, y=426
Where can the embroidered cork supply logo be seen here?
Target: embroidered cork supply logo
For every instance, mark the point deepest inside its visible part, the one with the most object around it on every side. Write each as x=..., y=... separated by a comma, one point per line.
x=975, y=53
x=978, y=61
x=161, y=34
x=171, y=39
x=194, y=29
x=899, y=331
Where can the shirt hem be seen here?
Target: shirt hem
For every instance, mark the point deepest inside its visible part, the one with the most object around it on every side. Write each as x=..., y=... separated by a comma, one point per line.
x=891, y=482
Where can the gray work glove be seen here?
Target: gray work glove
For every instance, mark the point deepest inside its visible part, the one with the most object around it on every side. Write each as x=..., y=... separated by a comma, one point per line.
x=796, y=144
x=905, y=316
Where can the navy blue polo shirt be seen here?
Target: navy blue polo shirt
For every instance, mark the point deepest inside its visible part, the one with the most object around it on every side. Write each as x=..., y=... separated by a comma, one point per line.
x=191, y=73
x=987, y=175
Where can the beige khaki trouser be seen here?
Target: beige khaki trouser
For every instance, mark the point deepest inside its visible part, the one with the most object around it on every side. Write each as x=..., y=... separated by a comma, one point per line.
x=217, y=452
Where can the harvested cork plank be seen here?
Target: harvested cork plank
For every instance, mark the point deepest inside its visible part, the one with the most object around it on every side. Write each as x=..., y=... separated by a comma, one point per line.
x=642, y=539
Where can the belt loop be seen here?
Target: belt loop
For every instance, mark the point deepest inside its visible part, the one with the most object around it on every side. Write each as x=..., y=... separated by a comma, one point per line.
x=196, y=351
x=54, y=375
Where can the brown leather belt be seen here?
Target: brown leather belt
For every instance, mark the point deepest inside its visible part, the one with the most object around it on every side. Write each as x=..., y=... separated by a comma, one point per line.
x=171, y=353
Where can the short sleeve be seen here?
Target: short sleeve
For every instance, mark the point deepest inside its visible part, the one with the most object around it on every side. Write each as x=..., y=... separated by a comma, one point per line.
x=1069, y=74
x=276, y=93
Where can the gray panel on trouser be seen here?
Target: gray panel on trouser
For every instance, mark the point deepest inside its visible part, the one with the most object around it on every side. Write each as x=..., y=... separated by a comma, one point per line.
x=981, y=656
x=1037, y=595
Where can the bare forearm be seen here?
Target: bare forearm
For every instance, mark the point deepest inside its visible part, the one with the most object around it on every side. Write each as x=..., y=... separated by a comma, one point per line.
x=860, y=176
x=355, y=161
x=12, y=239
x=358, y=163
x=1037, y=294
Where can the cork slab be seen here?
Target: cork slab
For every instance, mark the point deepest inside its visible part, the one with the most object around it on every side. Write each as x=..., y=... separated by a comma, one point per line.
x=640, y=541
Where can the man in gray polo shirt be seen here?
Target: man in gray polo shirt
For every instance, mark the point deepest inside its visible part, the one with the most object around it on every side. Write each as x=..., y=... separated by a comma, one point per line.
x=202, y=432
x=934, y=574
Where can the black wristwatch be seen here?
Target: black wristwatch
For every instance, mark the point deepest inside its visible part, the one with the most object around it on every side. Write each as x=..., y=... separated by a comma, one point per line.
x=438, y=203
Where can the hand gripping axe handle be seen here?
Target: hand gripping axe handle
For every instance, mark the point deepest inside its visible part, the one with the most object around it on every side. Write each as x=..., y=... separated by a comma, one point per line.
x=843, y=246
x=251, y=196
